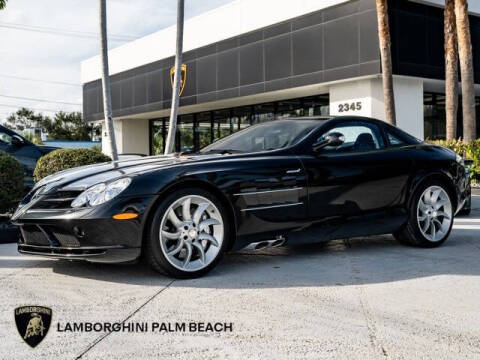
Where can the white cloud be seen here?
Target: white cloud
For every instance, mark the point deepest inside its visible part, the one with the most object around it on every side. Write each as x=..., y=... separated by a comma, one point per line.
x=57, y=58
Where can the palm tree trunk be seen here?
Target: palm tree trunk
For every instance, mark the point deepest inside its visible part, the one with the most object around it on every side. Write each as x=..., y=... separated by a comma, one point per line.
x=466, y=69
x=176, y=80
x=107, y=98
x=386, y=58
x=451, y=69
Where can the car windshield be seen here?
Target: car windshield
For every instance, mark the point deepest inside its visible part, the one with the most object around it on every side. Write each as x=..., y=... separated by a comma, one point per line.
x=271, y=135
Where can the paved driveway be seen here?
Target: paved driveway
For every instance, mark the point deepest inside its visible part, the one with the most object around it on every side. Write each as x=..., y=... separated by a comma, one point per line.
x=364, y=298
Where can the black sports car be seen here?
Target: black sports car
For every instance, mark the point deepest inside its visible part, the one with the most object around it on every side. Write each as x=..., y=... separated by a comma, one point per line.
x=281, y=182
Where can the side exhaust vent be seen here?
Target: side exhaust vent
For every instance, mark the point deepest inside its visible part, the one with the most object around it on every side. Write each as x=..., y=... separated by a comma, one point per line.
x=277, y=242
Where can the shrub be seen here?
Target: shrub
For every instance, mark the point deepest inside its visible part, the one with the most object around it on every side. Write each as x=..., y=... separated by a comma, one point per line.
x=97, y=148
x=64, y=159
x=469, y=150
x=11, y=182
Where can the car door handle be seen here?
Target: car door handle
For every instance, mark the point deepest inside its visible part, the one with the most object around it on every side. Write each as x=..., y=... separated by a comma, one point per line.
x=296, y=171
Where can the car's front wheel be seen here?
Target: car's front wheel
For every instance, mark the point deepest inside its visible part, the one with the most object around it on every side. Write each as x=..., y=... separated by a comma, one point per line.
x=430, y=216
x=188, y=235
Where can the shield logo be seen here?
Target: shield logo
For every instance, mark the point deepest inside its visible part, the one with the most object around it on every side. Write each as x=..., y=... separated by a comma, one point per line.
x=183, y=78
x=33, y=323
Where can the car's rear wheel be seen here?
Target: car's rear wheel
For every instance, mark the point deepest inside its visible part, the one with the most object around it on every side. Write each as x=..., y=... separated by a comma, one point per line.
x=430, y=216
x=188, y=235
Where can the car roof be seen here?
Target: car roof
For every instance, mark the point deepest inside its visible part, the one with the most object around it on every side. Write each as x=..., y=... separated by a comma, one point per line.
x=332, y=118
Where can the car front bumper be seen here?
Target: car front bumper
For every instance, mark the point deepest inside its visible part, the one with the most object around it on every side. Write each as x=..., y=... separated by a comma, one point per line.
x=89, y=234
x=106, y=254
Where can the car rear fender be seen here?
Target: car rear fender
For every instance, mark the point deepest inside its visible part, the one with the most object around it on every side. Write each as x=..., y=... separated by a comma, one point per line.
x=439, y=175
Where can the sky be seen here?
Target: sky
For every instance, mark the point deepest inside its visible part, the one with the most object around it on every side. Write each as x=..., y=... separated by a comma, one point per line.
x=44, y=52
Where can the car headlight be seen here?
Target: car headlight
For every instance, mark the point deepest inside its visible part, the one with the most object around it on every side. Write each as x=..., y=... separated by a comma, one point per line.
x=101, y=193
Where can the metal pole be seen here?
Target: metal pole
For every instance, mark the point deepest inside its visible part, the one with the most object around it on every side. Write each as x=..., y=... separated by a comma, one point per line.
x=107, y=98
x=176, y=80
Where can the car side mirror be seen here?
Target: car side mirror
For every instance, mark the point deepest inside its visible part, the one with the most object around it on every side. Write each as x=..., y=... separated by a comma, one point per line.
x=17, y=141
x=330, y=139
x=468, y=162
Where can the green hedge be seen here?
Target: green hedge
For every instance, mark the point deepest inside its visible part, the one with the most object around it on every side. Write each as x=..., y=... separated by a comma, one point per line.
x=469, y=150
x=11, y=182
x=64, y=159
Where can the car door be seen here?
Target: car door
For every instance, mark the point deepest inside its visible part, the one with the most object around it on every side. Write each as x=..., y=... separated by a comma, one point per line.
x=269, y=195
x=357, y=180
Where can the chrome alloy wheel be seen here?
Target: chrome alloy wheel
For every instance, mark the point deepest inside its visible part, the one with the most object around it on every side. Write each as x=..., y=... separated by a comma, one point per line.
x=191, y=233
x=434, y=213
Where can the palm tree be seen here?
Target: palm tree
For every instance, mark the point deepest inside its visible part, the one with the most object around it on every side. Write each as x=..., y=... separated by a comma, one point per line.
x=451, y=69
x=3, y=3
x=466, y=69
x=176, y=80
x=107, y=98
x=386, y=58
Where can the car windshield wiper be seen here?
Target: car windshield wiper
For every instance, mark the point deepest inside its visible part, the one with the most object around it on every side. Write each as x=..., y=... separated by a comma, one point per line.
x=224, y=151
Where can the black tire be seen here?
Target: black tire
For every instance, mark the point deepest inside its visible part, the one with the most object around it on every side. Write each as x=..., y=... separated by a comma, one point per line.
x=153, y=253
x=411, y=234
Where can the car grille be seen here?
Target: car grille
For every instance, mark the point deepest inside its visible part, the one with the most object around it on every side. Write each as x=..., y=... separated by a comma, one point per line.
x=48, y=236
x=57, y=201
x=32, y=235
x=64, y=238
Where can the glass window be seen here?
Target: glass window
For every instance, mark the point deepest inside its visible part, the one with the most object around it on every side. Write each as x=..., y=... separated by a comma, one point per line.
x=243, y=114
x=195, y=131
x=316, y=105
x=263, y=112
x=358, y=138
x=393, y=140
x=289, y=108
x=434, y=116
x=203, y=129
x=268, y=136
x=397, y=137
x=157, y=132
x=221, y=121
x=5, y=139
x=185, y=129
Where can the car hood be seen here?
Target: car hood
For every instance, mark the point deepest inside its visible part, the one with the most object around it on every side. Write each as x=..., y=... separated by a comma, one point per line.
x=85, y=176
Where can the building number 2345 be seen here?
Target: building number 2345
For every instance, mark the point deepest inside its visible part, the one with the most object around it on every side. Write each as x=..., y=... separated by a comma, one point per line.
x=354, y=106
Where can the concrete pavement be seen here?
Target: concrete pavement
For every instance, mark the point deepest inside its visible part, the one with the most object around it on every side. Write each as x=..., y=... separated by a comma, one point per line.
x=368, y=298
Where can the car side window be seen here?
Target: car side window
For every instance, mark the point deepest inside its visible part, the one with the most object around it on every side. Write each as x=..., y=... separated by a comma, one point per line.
x=359, y=137
x=394, y=140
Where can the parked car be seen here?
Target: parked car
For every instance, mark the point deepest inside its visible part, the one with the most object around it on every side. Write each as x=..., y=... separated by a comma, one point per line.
x=282, y=182
x=26, y=152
